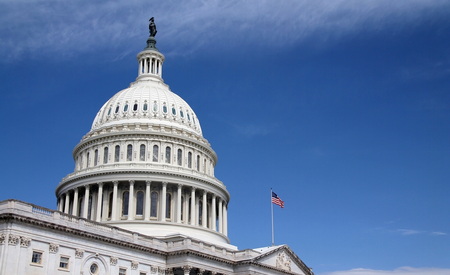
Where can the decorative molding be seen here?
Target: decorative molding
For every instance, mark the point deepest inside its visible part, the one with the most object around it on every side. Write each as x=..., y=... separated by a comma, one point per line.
x=2, y=238
x=134, y=264
x=53, y=248
x=13, y=239
x=25, y=242
x=113, y=261
x=79, y=253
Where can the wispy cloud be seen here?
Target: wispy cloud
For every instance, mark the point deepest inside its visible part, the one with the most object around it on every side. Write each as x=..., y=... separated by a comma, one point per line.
x=60, y=28
x=398, y=271
x=408, y=232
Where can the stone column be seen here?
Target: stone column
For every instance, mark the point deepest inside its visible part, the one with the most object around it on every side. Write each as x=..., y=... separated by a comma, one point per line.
x=99, y=202
x=225, y=220
x=193, y=220
x=67, y=203
x=86, y=202
x=131, y=201
x=163, y=202
x=114, y=204
x=220, y=216
x=204, y=208
x=75, y=203
x=179, y=203
x=187, y=269
x=213, y=214
x=147, y=201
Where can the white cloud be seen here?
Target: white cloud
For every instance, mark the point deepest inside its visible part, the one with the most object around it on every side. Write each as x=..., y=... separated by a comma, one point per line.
x=398, y=271
x=60, y=27
x=409, y=231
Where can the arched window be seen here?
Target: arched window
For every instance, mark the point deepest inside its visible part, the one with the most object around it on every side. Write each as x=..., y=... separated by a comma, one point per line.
x=190, y=160
x=179, y=157
x=110, y=205
x=129, y=152
x=200, y=212
x=198, y=163
x=95, y=157
x=135, y=107
x=168, y=153
x=154, y=204
x=145, y=107
x=117, y=153
x=155, y=153
x=139, y=203
x=88, y=160
x=168, y=206
x=142, y=152
x=105, y=155
x=204, y=165
x=125, y=200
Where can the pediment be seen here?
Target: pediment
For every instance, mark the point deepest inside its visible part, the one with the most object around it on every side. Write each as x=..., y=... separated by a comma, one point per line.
x=282, y=258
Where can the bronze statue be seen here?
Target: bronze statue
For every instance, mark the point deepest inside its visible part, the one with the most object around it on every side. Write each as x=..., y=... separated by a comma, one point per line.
x=152, y=27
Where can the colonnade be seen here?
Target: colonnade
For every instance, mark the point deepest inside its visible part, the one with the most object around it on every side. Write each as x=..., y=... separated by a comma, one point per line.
x=150, y=65
x=147, y=201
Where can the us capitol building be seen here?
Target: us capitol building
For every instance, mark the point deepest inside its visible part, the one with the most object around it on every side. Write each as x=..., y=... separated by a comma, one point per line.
x=143, y=198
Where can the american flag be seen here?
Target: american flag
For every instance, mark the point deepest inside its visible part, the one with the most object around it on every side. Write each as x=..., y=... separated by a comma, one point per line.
x=276, y=200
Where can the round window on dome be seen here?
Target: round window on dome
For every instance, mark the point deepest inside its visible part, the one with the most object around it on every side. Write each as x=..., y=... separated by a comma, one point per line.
x=181, y=113
x=165, y=109
x=145, y=108
x=135, y=107
x=155, y=106
x=109, y=111
x=117, y=109
x=125, y=108
x=189, y=117
x=174, y=112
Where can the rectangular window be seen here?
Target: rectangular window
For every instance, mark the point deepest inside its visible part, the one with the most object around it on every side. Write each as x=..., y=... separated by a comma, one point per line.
x=142, y=273
x=64, y=262
x=36, y=257
x=122, y=271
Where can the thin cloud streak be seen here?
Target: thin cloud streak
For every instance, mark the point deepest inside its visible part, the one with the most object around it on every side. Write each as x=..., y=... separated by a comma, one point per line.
x=44, y=28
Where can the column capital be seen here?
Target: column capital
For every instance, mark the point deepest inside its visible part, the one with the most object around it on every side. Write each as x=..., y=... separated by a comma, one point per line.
x=165, y=183
x=148, y=181
x=115, y=182
x=100, y=183
x=131, y=181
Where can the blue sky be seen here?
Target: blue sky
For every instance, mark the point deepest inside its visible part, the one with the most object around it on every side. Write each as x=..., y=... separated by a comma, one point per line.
x=342, y=107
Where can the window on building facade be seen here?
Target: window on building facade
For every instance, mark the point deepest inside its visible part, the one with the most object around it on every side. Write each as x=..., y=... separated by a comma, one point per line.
x=105, y=155
x=142, y=152
x=198, y=163
x=168, y=206
x=190, y=160
x=93, y=269
x=155, y=153
x=168, y=153
x=129, y=152
x=179, y=157
x=117, y=153
x=122, y=271
x=145, y=107
x=64, y=262
x=36, y=257
x=135, y=107
x=125, y=200
x=88, y=160
x=154, y=204
x=140, y=203
x=95, y=157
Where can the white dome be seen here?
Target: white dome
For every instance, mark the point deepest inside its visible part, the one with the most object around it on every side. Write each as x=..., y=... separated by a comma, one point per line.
x=147, y=102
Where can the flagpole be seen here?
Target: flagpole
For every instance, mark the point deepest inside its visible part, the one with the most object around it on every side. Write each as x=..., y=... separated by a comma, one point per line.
x=271, y=207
